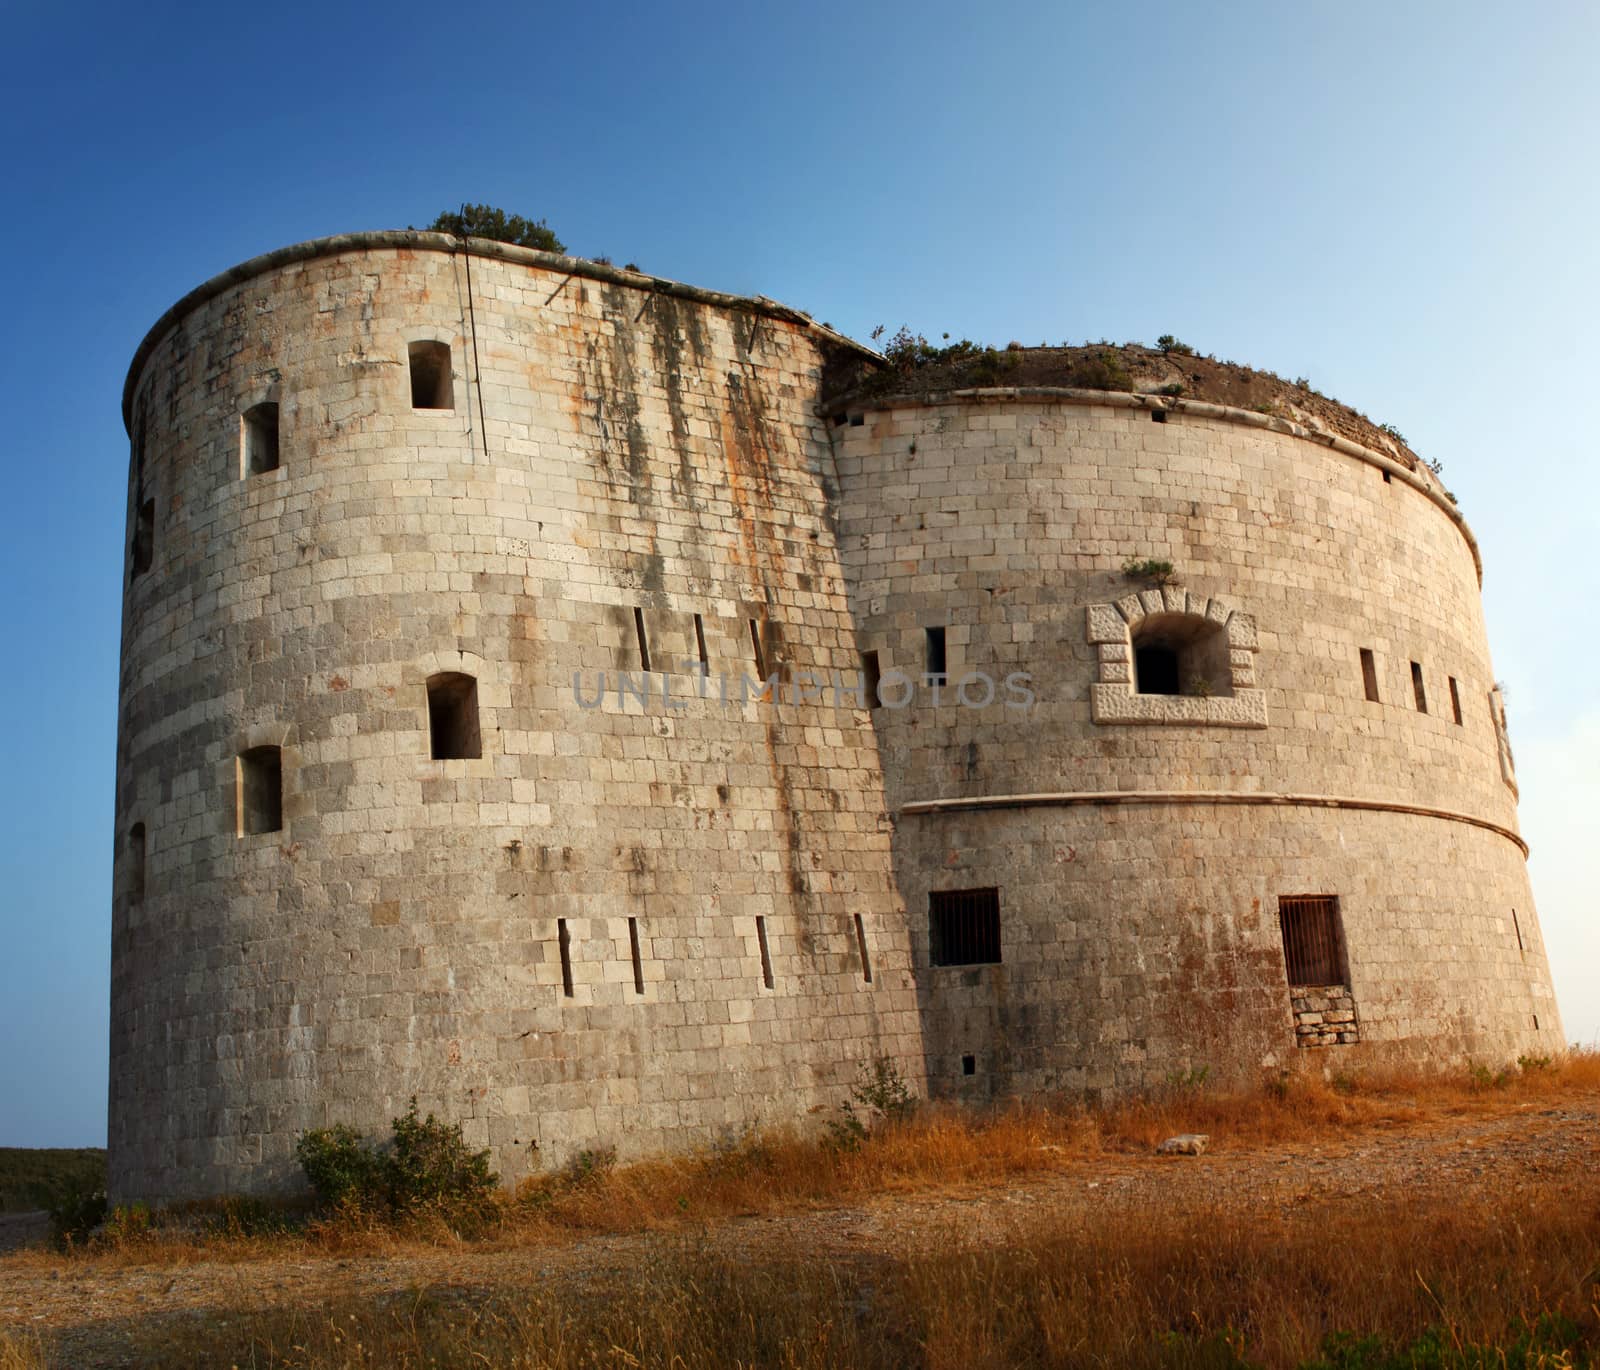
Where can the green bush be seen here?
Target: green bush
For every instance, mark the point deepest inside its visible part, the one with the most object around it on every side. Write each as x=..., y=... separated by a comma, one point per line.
x=75, y=1211
x=342, y=1167
x=880, y=1095
x=485, y=221
x=1102, y=371
x=1168, y=344
x=427, y=1163
x=1158, y=573
x=431, y=1164
x=590, y=1166
x=129, y=1223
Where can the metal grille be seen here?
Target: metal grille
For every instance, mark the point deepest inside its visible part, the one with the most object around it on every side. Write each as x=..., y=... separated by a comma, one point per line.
x=964, y=927
x=1311, y=941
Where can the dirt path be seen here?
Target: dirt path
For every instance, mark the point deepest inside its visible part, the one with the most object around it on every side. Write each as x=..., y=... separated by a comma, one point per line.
x=87, y=1310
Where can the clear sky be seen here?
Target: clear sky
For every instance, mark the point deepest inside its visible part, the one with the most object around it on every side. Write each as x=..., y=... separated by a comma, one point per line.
x=1396, y=200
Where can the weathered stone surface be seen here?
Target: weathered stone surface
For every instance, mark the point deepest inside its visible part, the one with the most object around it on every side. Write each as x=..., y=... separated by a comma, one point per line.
x=616, y=455
x=1106, y=624
x=1324, y=1016
x=1120, y=703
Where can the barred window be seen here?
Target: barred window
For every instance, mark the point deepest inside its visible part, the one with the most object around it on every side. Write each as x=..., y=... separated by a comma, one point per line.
x=1313, y=939
x=964, y=927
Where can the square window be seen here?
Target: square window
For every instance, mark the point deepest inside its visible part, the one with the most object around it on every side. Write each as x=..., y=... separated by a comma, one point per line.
x=1313, y=939
x=964, y=927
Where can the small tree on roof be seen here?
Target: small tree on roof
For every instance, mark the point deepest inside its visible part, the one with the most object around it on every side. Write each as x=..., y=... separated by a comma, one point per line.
x=485, y=221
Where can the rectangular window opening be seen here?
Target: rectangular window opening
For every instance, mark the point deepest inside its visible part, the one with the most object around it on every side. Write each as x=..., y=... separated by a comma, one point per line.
x=760, y=654
x=934, y=659
x=258, y=786
x=1455, y=700
x=1516, y=926
x=564, y=942
x=1416, y=688
x=1369, y=675
x=766, y=952
x=638, y=962
x=644, y=643
x=1158, y=416
x=258, y=440
x=964, y=927
x=1313, y=940
x=861, y=945
x=969, y=1065
x=432, y=386
x=144, y=537
x=453, y=717
x=856, y=420
x=871, y=678
x=700, y=641
x=1387, y=478
x=136, y=850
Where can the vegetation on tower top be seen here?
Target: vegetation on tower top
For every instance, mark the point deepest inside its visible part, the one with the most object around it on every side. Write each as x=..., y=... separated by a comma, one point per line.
x=485, y=221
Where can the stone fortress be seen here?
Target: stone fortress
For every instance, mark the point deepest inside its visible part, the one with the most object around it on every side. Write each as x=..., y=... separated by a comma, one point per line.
x=613, y=712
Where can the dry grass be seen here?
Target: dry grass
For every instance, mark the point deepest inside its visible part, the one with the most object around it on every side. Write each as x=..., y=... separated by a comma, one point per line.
x=1463, y=1274
x=20, y=1352
x=784, y=1172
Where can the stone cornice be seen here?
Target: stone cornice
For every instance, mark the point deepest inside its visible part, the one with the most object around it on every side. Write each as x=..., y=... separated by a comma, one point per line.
x=1066, y=799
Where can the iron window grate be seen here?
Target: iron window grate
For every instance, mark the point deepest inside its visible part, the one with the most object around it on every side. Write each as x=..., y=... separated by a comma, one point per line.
x=1313, y=951
x=964, y=927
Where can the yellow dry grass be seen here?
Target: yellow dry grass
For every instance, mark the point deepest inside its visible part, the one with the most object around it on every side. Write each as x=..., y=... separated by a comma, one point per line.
x=780, y=1171
x=19, y=1352
x=1464, y=1275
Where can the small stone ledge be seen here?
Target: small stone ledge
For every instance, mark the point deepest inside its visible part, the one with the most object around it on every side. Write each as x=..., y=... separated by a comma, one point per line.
x=1118, y=703
x=1324, y=1015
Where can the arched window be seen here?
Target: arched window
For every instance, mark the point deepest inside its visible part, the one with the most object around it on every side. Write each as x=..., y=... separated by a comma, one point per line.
x=1181, y=654
x=453, y=716
x=136, y=848
x=144, y=537
x=1169, y=656
x=431, y=384
x=258, y=779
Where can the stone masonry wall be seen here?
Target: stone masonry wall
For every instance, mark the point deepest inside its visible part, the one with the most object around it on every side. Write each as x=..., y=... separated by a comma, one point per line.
x=1140, y=843
x=638, y=917
x=401, y=935
x=1324, y=1016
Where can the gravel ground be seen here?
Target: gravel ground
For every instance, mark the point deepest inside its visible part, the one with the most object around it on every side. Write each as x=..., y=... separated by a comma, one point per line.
x=88, y=1312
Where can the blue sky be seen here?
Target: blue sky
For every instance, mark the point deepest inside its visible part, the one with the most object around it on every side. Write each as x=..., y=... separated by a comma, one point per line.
x=1395, y=200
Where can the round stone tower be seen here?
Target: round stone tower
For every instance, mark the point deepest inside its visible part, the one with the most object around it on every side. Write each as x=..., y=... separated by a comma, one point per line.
x=428, y=781
x=1249, y=803
x=540, y=697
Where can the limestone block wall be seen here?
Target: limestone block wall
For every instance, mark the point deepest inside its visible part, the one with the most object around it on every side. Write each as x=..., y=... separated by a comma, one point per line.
x=1140, y=843
x=602, y=455
x=444, y=770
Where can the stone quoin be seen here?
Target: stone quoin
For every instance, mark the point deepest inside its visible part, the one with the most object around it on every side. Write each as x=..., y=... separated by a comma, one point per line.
x=398, y=501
